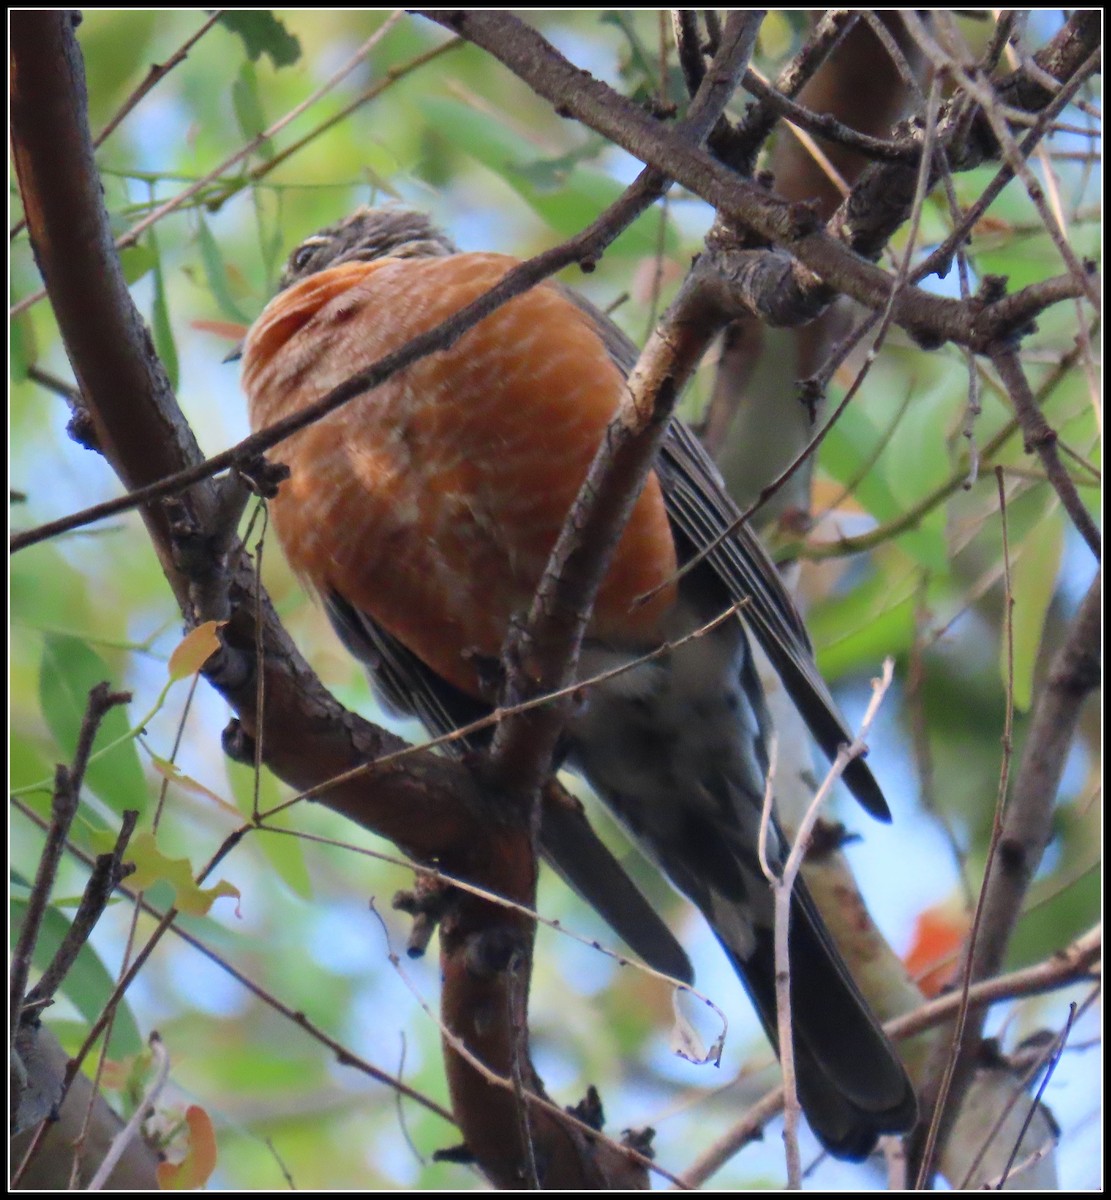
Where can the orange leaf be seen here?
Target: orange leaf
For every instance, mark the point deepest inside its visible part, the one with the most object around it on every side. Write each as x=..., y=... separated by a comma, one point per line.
x=231, y=330
x=939, y=933
x=200, y=1157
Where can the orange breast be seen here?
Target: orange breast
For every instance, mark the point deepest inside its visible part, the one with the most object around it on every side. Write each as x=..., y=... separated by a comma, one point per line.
x=433, y=502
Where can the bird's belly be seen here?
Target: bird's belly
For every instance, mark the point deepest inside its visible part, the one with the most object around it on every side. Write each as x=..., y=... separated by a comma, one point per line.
x=675, y=736
x=432, y=502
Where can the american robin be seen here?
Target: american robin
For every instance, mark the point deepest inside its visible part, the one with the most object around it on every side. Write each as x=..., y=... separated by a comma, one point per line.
x=423, y=513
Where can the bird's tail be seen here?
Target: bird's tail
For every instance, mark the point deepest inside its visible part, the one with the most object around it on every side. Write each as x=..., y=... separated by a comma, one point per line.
x=851, y=1084
x=677, y=748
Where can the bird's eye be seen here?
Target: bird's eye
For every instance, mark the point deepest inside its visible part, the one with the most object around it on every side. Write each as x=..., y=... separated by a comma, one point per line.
x=301, y=256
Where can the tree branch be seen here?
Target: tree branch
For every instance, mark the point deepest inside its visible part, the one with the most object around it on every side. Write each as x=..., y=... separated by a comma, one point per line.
x=823, y=260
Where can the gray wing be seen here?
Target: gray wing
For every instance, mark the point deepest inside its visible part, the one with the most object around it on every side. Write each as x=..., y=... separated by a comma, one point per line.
x=569, y=845
x=703, y=511
x=704, y=514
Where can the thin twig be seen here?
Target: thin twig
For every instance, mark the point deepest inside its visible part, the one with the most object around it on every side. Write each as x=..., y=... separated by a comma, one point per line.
x=1013, y=155
x=1062, y=969
x=753, y=130
x=107, y=872
x=131, y=1130
x=258, y=173
x=67, y=791
x=1055, y=1057
x=155, y=75
x=1051, y=1051
x=497, y=715
x=1041, y=439
x=586, y=246
x=481, y=893
x=783, y=889
x=342, y=1053
x=959, y=1051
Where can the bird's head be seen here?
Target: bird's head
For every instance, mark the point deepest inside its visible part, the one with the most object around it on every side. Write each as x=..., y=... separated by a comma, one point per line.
x=367, y=234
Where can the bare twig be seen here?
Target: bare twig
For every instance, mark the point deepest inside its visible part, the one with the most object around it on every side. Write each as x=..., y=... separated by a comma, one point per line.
x=107, y=872
x=1041, y=439
x=154, y=77
x=531, y=1099
x=685, y=26
x=258, y=173
x=585, y=247
x=783, y=888
x=499, y=714
x=958, y=1067
x=1013, y=155
x=131, y=1130
x=1050, y=1054
x=67, y=790
x=565, y=596
x=937, y=259
x=753, y=130
x=823, y=262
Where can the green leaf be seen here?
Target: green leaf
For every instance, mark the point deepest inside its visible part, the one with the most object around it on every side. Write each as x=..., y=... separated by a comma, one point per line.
x=27, y=766
x=152, y=866
x=848, y=454
x=1033, y=582
x=915, y=463
x=639, y=67
x=248, y=109
x=65, y=603
x=776, y=35
x=262, y=33
x=70, y=668
x=22, y=349
x=1065, y=913
x=88, y=984
x=217, y=274
x=161, y=328
x=857, y=631
x=892, y=469
x=137, y=261
x=567, y=196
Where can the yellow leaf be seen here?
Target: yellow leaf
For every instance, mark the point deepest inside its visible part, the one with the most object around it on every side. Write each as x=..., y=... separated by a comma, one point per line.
x=175, y=775
x=152, y=866
x=194, y=650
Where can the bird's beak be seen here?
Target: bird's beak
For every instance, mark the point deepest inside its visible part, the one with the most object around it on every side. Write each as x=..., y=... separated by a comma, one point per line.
x=234, y=354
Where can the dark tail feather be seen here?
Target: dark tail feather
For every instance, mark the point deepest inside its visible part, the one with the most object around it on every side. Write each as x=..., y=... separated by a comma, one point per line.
x=851, y=1084
x=589, y=869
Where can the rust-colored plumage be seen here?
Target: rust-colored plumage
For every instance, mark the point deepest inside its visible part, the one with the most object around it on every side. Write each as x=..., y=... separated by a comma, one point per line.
x=432, y=503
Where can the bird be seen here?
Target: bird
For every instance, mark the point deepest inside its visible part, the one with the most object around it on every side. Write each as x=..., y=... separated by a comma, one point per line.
x=422, y=513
